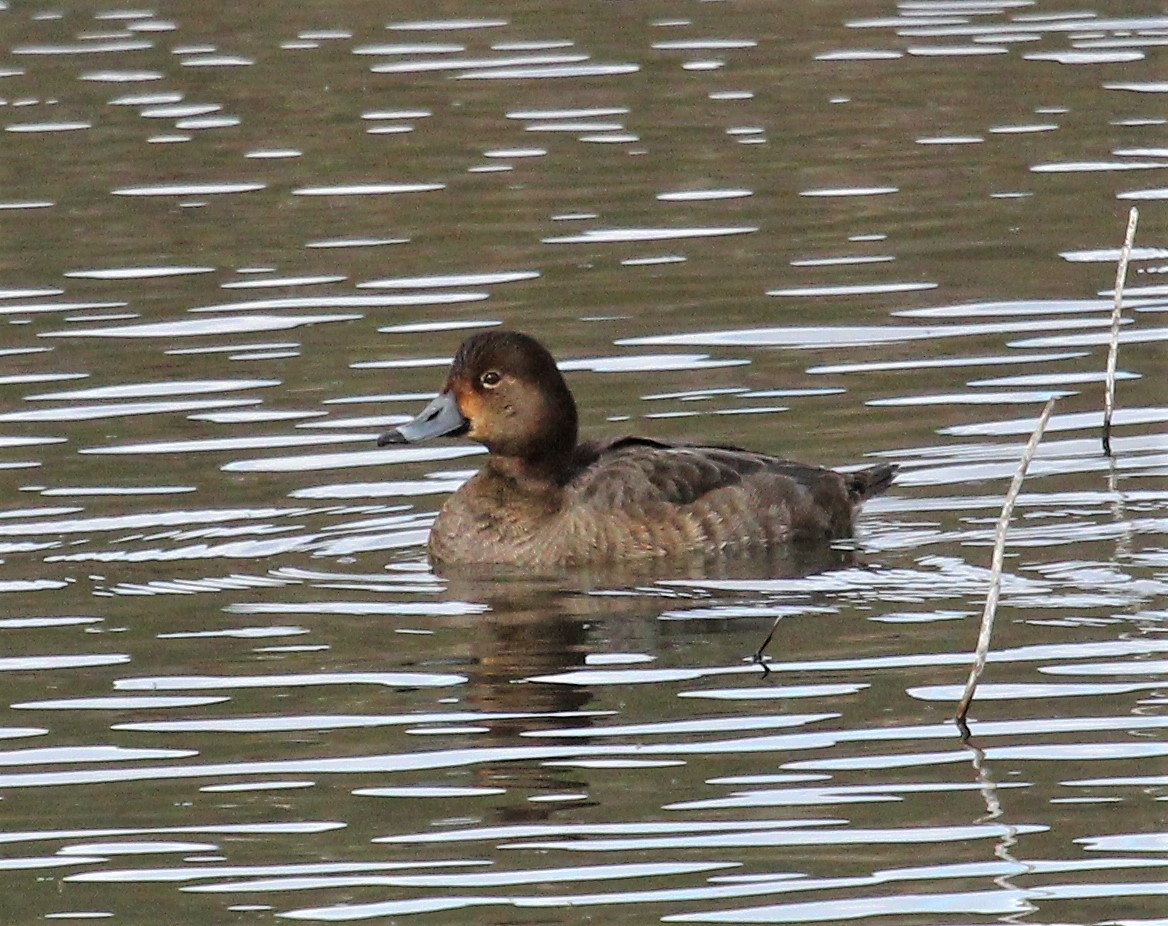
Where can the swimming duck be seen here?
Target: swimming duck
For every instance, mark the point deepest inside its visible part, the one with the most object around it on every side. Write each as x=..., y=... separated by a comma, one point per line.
x=543, y=499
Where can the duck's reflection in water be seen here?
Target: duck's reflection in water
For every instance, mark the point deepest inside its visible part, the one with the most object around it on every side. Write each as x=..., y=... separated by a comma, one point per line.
x=550, y=624
x=532, y=628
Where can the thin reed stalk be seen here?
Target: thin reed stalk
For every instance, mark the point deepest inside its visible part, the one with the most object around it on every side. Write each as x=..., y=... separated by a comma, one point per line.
x=1116, y=316
x=991, y=602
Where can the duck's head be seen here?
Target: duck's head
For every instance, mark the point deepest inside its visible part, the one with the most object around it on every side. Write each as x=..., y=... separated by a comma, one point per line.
x=504, y=391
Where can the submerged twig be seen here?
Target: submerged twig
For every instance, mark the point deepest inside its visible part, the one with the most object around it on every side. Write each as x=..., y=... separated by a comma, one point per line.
x=760, y=653
x=991, y=603
x=1116, y=316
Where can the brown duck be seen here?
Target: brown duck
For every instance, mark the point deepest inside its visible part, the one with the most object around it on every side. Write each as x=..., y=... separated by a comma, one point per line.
x=545, y=500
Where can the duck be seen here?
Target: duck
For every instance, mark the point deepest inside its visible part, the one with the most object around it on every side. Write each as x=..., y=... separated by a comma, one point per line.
x=547, y=500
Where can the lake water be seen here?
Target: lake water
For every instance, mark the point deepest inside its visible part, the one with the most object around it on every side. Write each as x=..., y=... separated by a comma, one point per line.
x=237, y=241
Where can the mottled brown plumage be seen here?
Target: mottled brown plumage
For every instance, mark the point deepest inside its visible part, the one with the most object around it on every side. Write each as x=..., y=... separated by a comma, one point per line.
x=543, y=500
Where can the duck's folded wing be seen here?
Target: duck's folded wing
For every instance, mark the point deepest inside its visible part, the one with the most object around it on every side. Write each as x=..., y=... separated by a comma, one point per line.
x=636, y=471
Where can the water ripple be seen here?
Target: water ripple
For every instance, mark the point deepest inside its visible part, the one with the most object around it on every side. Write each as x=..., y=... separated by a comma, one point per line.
x=200, y=327
x=189, y=189
x=609, y=235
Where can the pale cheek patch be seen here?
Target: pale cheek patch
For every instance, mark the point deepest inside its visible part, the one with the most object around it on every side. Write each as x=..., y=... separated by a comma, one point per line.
x=470, y=403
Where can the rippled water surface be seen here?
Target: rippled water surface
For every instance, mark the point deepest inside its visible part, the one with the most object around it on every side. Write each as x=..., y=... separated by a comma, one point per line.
x=237, y=241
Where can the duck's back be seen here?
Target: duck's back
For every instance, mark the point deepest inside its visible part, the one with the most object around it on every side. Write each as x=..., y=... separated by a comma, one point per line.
x=635, y=497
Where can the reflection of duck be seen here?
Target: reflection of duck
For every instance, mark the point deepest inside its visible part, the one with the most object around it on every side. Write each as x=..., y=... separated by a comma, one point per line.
x=531, y=629
x=544, y=500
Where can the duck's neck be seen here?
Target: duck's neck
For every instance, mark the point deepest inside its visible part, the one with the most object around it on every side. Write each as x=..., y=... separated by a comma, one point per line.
x=539, y=477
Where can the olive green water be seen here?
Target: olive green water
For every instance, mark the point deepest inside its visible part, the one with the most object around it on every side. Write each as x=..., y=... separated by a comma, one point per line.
x=238, y=241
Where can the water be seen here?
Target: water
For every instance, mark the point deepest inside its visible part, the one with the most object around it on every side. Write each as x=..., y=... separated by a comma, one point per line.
x=239, y=242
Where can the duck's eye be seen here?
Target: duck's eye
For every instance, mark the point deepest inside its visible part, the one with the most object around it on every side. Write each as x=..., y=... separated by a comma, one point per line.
x=490, y=379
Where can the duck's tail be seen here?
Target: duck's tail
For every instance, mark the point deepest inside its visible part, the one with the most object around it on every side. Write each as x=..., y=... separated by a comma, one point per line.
x=865, y=483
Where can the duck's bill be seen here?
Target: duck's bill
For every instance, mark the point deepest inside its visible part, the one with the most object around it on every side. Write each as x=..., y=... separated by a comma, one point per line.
x=438, y=419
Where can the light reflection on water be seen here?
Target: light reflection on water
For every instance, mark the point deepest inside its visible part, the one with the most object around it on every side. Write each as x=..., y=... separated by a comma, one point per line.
x=235, y=685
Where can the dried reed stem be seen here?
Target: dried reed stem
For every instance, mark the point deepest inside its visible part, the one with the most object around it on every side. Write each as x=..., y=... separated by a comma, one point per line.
x=991, y=603
x=1116, y=316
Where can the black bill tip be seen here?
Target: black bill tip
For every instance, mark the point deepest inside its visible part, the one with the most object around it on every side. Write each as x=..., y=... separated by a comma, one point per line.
x=392, y=438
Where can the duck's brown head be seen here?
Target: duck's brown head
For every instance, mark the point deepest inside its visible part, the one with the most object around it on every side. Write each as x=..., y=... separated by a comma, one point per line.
x=504, y=391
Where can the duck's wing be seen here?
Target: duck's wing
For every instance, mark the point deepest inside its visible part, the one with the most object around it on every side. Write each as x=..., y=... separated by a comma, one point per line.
x=725, y=487
x=635, y=470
